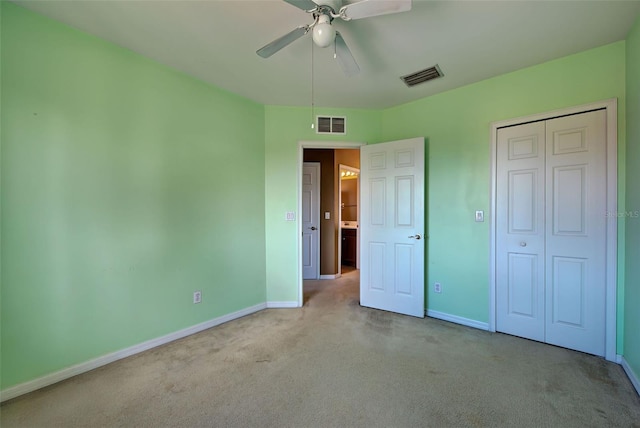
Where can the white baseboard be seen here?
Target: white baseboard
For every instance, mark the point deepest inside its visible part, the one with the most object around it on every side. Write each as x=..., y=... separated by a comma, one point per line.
x=458, y=320
x=635, y=381
x=63, y=374
x=334, y=276
x=280, y=305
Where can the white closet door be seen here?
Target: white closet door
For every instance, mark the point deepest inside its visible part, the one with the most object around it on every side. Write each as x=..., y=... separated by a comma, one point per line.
x=576, y=231
x=551, y=231
x=520, y=231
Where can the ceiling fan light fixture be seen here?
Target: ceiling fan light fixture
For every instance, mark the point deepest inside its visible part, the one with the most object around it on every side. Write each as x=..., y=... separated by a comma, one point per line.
x=323, y=32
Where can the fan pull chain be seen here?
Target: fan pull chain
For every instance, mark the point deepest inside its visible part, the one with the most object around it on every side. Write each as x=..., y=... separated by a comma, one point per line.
x=312, y=104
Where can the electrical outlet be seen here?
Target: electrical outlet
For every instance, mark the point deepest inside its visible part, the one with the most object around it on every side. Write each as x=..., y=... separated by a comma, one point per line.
x=437, y=287
x=197, y=296
x=479, y=216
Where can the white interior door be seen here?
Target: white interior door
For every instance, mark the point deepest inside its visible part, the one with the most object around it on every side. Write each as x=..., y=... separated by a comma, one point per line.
x=311, y=220
x=392, y=227
x=551, y=231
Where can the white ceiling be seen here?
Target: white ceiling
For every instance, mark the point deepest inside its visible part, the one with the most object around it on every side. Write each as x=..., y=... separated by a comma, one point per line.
x=216, y=40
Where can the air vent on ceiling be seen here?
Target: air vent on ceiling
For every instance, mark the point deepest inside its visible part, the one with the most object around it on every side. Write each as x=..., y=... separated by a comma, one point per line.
x=422, y=76
x=331, y=125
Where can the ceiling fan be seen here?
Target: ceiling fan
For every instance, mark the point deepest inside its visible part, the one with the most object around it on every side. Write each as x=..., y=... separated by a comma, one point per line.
x=324, y=12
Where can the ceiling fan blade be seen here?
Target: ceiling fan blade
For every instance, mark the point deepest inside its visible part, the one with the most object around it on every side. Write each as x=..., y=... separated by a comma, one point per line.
x=368, y=8
x=345, y=58
x=273, y=47
x=303, y=4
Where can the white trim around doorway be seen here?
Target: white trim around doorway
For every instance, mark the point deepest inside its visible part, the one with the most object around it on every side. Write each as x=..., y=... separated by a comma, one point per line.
x=312, y=145
x=610, y=106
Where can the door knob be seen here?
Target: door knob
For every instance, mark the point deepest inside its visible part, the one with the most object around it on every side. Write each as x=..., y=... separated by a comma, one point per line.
x=313, y=228
x=523, y=244
x=416, y=236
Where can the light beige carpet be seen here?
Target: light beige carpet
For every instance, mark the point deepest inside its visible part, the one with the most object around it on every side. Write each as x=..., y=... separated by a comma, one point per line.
x=336, y=364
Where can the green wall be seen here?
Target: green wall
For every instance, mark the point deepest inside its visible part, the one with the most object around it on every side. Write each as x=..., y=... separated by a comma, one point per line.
x=125, y=187
x=632, y=277
x=456, y=125
x=284, y=128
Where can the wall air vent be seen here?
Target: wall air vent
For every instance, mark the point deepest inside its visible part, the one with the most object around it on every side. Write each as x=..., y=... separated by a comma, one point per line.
x=331, y=125
x=422, y=76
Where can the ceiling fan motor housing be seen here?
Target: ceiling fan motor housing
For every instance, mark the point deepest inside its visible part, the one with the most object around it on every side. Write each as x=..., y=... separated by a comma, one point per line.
x=333, y=4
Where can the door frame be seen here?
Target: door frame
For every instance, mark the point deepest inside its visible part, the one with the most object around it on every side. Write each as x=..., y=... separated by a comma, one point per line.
x=311, y=145
x=610, y=107
x=357, y=170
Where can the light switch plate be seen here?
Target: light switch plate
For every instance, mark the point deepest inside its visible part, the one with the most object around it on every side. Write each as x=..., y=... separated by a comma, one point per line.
x=290, y=216
x=479, y=216
x=327, y=215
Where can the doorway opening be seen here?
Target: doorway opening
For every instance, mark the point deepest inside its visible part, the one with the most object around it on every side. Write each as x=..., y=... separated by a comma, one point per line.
x=331, y=155
x=349, y=197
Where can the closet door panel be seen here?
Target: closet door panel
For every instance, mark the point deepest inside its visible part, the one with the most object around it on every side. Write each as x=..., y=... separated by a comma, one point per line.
x=520, y=231
x=575, y=250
